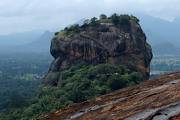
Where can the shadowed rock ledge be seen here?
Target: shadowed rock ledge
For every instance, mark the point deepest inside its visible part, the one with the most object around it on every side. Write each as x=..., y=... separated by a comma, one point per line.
x=157, y=99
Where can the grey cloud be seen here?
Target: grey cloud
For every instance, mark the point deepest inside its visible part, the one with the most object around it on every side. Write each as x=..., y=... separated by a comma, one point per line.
x=23, y=15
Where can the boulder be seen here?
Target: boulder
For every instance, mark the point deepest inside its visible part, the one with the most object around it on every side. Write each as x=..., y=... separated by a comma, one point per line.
x=103, y=43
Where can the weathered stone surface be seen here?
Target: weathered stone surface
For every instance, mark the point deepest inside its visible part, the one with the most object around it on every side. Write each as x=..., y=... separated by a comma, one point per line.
x=157, y=99
x=95, y=46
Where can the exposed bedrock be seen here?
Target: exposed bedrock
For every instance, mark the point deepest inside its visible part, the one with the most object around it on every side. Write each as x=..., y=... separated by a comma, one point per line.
x=95, y=46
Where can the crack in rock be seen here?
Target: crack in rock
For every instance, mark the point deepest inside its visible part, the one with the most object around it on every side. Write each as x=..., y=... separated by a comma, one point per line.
x=163, y=113
x=93, y=108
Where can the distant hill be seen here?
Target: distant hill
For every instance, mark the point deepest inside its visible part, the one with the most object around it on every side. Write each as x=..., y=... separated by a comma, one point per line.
x=19, y=38
x=161, y=34
x=166, y=48
x=40, y=43
x=159, y=30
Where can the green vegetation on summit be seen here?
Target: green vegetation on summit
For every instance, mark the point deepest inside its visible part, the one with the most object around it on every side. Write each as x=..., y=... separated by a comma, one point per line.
x=122, y=21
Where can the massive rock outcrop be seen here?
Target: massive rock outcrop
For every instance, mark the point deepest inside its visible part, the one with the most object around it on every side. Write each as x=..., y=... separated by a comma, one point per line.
x=123, y=44
x=157, y=99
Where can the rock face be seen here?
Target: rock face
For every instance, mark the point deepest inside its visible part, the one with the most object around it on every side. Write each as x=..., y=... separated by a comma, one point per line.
x=104, y=43
x=157, y=99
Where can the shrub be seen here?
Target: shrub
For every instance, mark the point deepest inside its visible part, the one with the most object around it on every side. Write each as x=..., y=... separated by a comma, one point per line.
x=122, y=21
x=135, y=19
x=56, y=33
x=69, y=30
x=117, y=82
x=136, y=78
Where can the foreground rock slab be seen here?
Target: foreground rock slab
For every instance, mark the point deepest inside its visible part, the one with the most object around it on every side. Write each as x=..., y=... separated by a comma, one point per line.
x=157, y=99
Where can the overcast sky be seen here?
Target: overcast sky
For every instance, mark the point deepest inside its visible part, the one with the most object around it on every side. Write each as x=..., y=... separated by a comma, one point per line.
x=27, y=15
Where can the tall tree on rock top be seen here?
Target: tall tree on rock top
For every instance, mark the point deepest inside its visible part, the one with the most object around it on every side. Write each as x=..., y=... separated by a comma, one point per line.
x=115, y=19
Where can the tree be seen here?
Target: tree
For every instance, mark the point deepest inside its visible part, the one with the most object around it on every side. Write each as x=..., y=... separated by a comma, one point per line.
x=74, y=28
x=85, y=23
x=115, y=19
x=124, y=20
x=94, y=21
x=102, y=16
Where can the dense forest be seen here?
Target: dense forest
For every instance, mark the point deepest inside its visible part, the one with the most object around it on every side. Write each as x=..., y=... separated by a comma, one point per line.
x=17, y=91
x=20, y=77
x=79, y=84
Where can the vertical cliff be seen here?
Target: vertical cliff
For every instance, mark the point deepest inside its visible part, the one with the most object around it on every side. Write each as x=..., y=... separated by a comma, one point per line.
x=120, y=42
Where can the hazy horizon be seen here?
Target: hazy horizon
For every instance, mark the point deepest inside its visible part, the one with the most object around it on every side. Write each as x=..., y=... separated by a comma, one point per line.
x=24, y=22
x=28, y=15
